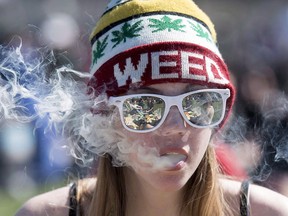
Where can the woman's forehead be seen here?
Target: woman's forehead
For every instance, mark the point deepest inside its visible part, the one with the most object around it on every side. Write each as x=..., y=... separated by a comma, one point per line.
x=167, y=88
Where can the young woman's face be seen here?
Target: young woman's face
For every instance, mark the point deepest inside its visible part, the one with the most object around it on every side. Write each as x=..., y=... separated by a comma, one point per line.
x=167, y=157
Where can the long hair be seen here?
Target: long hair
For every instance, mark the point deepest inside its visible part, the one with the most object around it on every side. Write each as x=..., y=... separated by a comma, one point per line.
x=203, y=195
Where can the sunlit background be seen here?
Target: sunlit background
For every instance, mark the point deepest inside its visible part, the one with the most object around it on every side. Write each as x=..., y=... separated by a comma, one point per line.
x=253, y=39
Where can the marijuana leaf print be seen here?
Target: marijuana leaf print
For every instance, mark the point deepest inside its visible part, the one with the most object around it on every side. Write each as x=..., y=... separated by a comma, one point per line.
x=127, y=31
x=200, y=31
x=100, y=47
x=166, y=23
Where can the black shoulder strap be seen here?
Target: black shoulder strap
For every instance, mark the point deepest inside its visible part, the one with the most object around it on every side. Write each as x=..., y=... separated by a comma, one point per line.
x=244, y=199
x=73, y=200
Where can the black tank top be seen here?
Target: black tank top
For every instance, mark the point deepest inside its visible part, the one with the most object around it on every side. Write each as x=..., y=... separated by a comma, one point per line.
x=244, y=199
x=73, y=206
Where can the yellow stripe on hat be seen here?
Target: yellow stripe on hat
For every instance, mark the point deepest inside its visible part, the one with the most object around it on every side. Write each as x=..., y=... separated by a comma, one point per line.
x=136, y=7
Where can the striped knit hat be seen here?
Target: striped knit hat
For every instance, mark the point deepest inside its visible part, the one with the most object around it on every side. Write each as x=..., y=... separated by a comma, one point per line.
x=142, y=42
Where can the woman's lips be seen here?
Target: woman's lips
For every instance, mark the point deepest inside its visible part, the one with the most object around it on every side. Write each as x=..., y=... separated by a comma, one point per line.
x=173, y=160
x=171, y=151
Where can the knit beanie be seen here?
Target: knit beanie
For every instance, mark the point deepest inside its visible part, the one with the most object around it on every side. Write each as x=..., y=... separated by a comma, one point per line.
x=137, y=43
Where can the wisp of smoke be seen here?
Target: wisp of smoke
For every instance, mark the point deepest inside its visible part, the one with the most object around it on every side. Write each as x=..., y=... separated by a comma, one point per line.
x=273, y=132
x=269, y=134
x=31, y=91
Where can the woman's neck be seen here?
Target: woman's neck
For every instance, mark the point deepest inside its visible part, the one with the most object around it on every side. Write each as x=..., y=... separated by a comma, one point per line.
x=145, y=200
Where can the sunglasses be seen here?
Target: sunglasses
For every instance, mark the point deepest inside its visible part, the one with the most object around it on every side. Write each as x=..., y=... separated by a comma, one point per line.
x=143, y=113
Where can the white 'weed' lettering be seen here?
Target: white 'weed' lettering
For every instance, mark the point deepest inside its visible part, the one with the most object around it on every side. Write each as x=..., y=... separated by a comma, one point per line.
x=135, y=72
x=130, y=71
x=156, y=65
x=211, y=78
x=186, y=65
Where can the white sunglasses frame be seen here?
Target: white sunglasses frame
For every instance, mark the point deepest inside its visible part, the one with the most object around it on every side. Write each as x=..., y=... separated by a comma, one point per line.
x=169, y=102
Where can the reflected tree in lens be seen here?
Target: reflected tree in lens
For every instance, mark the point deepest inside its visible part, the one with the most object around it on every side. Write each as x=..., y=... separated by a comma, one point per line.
x=203, y=108
x=143, y=112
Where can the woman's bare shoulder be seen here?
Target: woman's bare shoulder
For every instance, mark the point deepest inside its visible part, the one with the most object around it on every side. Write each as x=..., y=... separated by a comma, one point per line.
x=55, y=202
x=263, y=201
x=267, y=202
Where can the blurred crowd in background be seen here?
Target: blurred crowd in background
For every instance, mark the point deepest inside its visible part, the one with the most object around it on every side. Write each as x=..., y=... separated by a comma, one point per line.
x=253, y=39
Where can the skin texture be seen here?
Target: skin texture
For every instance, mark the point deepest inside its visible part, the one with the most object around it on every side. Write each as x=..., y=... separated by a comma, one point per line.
x=157, y=191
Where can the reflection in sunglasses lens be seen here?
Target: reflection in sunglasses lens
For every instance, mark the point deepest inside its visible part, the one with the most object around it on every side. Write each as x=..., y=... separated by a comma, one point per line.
x=203, y=108
x=143, y=112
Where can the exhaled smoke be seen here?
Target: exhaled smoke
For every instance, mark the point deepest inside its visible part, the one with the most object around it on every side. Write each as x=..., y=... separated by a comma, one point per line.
x=12, y=93
x=273, y=134
x=31, y=91
x=268, y=133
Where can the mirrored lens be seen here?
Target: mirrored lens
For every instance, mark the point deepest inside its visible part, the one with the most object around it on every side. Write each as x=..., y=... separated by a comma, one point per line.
x=143, y=112
x=203, y=108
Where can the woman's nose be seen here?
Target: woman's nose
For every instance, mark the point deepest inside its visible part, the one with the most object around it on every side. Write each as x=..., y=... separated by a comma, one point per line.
x=174, y=123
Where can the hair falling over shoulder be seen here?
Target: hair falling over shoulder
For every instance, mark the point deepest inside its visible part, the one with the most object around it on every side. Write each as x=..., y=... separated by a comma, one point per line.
x=203, y=195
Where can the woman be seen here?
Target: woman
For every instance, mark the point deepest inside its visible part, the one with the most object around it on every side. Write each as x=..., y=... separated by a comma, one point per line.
x=157, y=159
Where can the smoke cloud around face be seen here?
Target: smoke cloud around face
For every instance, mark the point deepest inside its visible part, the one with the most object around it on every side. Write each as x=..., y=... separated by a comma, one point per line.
x=31, y=91
x=268, y=134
